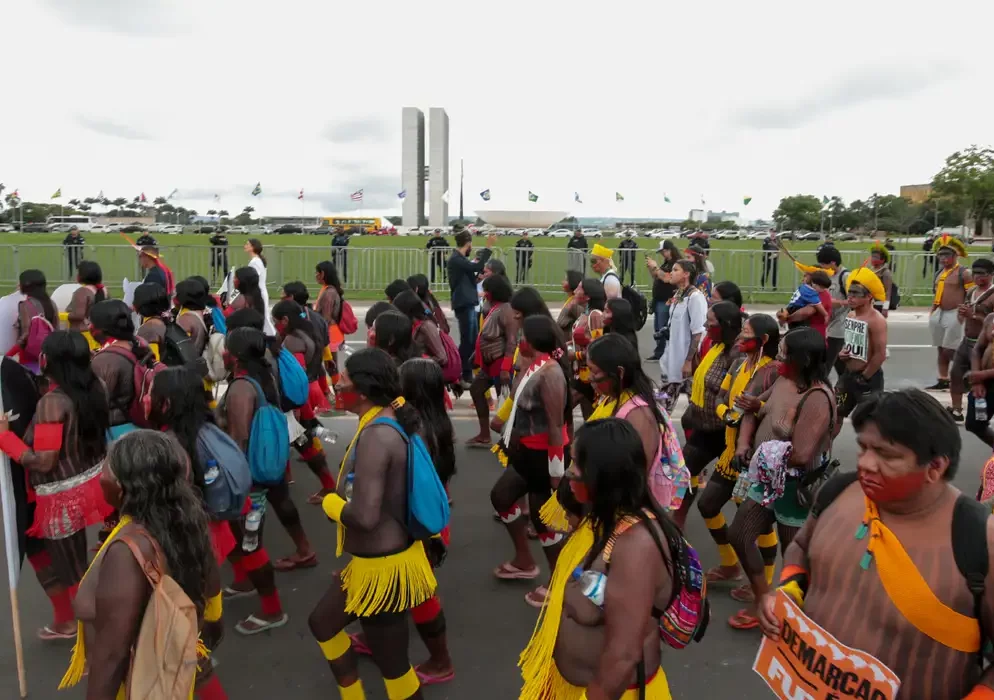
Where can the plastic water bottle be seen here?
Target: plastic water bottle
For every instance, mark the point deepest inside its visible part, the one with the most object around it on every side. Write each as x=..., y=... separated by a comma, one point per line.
x=742, y=485
x=250, y=541
x=593, y=584
x=980, y=409
x=212, y=472
x=324, y=435
x=349, y=483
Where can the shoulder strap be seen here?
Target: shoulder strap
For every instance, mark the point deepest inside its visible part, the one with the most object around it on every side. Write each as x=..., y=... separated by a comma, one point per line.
x=260, y=394
x=831, y=411
x=831, y=490
x=971, y=555
x=629, y=406
x=152, y=570
x=393, y=424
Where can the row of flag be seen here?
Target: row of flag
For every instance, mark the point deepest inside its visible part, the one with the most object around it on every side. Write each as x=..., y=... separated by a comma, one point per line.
x=618, y=197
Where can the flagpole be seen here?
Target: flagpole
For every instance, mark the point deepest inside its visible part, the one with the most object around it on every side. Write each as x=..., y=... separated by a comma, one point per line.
x=9, y=505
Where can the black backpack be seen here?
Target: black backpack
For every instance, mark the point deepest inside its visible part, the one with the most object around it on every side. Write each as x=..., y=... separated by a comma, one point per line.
x=638, y=302
x=178, y=349
x=969, y=540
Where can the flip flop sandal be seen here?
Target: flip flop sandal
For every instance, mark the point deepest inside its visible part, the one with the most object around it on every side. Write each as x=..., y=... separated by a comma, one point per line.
x=316, y=499
x=359, y=645
x=742, y=620
x=428, y=679
x=292, y=564
x=743, y=594
x=234, y=594
x=478, y=444
x=47, y=634
x=509, y=572
x=717, y=575
x=260, y=625
x=537, y=598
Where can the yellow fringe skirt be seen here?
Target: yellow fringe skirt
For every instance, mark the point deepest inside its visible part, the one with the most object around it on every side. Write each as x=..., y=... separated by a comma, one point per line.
x=391, y=583
x=656, y=688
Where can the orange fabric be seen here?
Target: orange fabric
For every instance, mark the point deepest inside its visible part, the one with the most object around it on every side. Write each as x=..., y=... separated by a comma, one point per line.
x=980, y=692
x=790, y=571
x=335, y=337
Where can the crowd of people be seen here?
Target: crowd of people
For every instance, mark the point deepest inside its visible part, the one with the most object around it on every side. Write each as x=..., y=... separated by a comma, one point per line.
x=170, y=422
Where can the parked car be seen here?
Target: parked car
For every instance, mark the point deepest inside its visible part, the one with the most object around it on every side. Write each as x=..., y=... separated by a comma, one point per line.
x=560, y=233
x=323, y=230
x=171, y=229
x=134, y=228
x=591, y=233
x=6, y=228
x=288, y=229
x=809, y=236
x=844, y=236
x=238, y=229
x=103, y=228
x=35, y=228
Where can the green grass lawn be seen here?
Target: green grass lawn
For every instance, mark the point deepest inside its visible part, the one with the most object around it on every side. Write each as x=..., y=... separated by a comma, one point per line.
x=374, y=261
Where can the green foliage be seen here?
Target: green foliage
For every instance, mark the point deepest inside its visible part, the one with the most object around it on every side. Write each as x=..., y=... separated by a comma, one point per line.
x=967, y=182
x=800, y=211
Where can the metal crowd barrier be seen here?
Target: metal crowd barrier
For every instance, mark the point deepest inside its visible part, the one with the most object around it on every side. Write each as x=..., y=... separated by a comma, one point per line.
x=762, y=277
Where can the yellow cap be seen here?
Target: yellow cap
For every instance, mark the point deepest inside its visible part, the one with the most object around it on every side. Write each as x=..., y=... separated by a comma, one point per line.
x=806, y=269
x=868, y=278
x=601, y=251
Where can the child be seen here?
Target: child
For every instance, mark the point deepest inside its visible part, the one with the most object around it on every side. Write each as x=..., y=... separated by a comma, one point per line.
x=811, y=304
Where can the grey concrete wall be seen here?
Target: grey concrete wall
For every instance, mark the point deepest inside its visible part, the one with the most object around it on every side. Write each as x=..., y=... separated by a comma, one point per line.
x=413, y=164
x=438, y=166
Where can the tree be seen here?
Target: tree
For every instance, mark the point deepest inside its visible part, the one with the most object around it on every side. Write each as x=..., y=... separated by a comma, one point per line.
x=967, y=182
x=212, y=212
x=222, y=213
x=120, y=202
x=74, y=203
x=800, y=211
x=160, y=201
x=248, y=210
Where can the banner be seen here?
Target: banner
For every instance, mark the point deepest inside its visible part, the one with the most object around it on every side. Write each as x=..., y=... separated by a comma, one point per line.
x=807, y=663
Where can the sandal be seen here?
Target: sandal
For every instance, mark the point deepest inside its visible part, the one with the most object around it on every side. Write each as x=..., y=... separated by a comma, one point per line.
x=47, y=634
x=743, y=594
x=359, y=644
x=259, y=625
x=957, y=414
x=428, y=679
x=234, y=594
x=537, y=598
x=293, y=562
x=477, y=441
x=719, y=575
x=743, y=620
x=508, y=572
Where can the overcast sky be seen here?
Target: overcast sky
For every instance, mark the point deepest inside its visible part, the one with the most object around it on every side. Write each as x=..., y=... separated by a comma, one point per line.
x=720, y=98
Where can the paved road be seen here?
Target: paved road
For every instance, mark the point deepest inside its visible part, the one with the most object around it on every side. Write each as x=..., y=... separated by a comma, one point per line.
x=489, y=623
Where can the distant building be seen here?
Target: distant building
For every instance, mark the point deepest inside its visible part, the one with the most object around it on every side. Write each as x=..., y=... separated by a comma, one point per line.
x=295, y=220
x=722, y=216
x=125, y=220
x=697, y=215
x=916, y=193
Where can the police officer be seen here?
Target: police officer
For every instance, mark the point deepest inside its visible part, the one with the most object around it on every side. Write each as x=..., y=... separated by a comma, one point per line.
x=771, y=260
x=434, y=247
x=523, y=252
x=628, y=247
x=577, y=252
x=73, y=243
x=219, y=254
x=146, y=239
x=340, y=253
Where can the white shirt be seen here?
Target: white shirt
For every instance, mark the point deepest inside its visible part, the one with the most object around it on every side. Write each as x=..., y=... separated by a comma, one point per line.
x=612, y=284
x=267, y=324
x=687, y=319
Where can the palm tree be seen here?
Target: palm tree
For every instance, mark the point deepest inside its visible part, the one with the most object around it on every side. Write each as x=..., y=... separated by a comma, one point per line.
x=248, y=210
x=159, y=201
x=212, y=212
x=74, y=203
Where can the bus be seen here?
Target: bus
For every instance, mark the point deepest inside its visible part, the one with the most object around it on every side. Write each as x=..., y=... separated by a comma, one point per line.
x=64, y=223
x=352, y=224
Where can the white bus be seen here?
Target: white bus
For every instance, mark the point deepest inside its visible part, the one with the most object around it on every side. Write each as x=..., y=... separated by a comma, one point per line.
x=64, y=223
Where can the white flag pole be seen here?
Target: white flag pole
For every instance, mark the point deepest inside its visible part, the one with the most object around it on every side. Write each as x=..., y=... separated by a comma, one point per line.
x=9, y=504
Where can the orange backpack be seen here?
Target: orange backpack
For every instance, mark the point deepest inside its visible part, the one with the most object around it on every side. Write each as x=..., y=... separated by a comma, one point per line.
x=164, y=660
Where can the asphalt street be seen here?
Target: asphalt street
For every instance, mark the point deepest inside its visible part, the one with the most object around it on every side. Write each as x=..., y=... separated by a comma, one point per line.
x=488, y=621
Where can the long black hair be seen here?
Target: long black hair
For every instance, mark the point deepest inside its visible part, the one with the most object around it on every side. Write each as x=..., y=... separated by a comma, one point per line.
x=528, y=302
x=410, y=304
x=374, y=374
x=419, y=283
x=209, y=299
x=424, y=389
x=496, y=267
x=297, y=291
x=191, y=294
x=245, y=318
x=593, y=289
x=729, y=291
x=620, y=362
x=545, y=336
x=151, y=300
x=329, y=274
x=34, y=285
x=248, y=284
x=805, y=350
x=622, y=321
x=88, y=272
x=180, y=404
x=112, y=318
x=764, y=324
x=573, y=280
x=729, y=321
x=296, y=316
x=395, y=288
x=151, y=469
x=67, y=365
x=393, y=335
x=376, y=310
x=611, y=461
x=257, y=249
x=499, y=288
x=248, y=347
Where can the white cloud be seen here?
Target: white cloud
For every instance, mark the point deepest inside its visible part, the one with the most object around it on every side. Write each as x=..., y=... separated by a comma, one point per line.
x=722, y=98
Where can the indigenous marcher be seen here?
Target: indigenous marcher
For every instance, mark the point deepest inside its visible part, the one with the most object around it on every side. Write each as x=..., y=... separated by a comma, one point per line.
x=494, y=352
x=156, y=271
x=257, y=261
x=113, y=329
x=389, y=572
x=723, y=291
x=981, y=379
x=571, y=310
x=246, y=358
x=702, y=267
x=952, y=282
x=90, y=292
x=865, y=348
x=392, y=333
x=163, y=524
x=830, y=260
x=602, y=263
x=62, y=452
x=893, y=541
x=330, y=304
x=688, y=318
x=979, y=303
x=151, y=303
x=704, y=428
x=301, y=339
x=532, y=446
x=249, y=293
x=589, y=326
x=396, y=287
x=425, y=332
x=749, y=377
x=619, y=318
x=799, y=411
x=38, y=305
x=607, y=645
x=880, y=265
x=419, y=283
x=191, y=301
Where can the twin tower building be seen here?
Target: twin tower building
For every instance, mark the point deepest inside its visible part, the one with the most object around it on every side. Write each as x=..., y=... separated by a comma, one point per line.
x=414, y=171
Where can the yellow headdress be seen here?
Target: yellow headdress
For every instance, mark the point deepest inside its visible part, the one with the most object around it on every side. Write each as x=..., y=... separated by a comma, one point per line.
x=806, y=269
x=868, y=278
x=880, y=249
x=601, y=251
x=951, y=242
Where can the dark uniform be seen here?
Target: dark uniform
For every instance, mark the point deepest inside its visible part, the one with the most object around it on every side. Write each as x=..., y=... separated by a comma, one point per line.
x=577, y=255
x=219, y=255
x=73, y=243
x=340, y=253
x=522, y=259
x=627, y=258
x=771, y=262
x=146, y=239
x=436, y=253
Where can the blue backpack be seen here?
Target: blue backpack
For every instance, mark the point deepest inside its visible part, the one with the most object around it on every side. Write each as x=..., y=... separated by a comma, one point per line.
x=427, y=501
x=228, y=481
x=293, y=379
x=217, y=318
x=269, y=441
